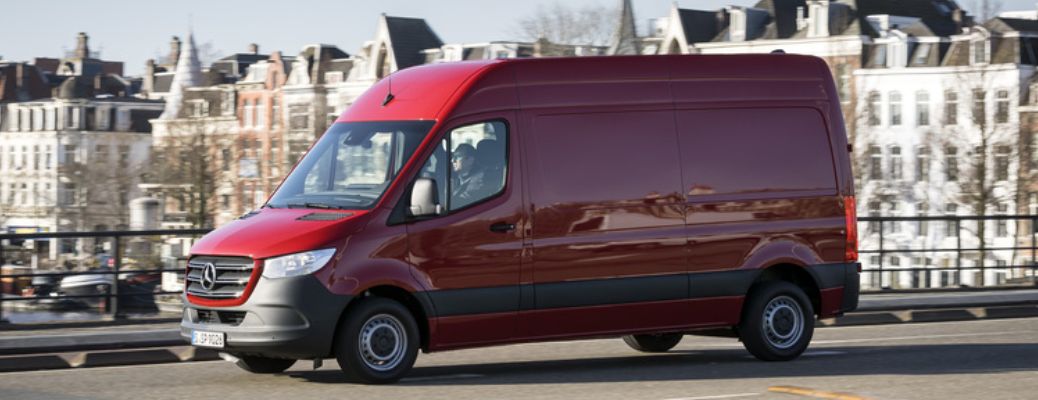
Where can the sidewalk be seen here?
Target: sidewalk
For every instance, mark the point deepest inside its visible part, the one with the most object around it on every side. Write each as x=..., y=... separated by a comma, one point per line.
x=56, y=346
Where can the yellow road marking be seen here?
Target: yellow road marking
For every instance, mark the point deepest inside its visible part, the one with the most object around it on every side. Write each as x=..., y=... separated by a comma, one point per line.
x=818, y=394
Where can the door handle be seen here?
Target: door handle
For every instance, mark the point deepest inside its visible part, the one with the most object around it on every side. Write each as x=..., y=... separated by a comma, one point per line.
x=502, y=227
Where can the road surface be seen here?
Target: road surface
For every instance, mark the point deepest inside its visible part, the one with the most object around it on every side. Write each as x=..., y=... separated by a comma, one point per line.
x=988, y=359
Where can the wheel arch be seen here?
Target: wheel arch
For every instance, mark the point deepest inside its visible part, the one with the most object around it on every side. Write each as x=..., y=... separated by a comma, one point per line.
x=792, y=273
x=415, y=302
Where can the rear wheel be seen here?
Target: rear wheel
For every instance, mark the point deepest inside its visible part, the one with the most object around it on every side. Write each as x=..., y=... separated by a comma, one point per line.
x=778, y=322
x=263, y=365
x=657, y=343
x=377, y=342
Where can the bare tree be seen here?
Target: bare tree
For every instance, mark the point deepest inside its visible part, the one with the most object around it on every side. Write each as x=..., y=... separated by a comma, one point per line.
x=987, y=150
x=186, y=168
x=563, y=24
x=987, y=9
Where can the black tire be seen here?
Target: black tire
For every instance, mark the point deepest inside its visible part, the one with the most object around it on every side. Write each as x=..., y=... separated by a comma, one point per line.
x=777, y=322
x=658, y=343
x=263, y=365
x=382, y=322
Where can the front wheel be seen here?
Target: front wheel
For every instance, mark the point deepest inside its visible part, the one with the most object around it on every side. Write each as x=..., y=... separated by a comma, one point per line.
x=263, y=365
x=778, y=322
x=377, y=342
x=653, y=343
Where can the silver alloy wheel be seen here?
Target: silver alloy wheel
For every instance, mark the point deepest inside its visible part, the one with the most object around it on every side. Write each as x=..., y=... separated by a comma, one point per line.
x=783, y=322
x=382, y=342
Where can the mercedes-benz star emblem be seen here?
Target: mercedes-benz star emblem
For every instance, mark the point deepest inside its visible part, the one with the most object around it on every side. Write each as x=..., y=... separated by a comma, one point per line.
x=208, y=276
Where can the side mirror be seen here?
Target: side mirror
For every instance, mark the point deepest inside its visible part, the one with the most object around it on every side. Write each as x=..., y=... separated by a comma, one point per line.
x=423, y=198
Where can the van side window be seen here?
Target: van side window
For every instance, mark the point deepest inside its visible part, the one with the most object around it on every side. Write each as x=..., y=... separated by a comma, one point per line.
x=475, y=167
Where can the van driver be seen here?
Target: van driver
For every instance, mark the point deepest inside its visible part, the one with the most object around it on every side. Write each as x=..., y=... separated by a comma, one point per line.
x=467, y=182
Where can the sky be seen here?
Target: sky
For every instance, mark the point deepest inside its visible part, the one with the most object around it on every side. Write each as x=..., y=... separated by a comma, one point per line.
x=133, y=31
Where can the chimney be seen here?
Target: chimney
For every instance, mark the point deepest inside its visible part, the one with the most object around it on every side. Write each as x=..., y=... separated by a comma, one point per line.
x=82, y=48
x=253, y=48
x=21, y=78
x=149, y=77
x=174, y=50
x=818, y=18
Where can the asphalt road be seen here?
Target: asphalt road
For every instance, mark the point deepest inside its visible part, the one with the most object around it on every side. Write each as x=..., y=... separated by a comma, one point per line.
x=989, y=359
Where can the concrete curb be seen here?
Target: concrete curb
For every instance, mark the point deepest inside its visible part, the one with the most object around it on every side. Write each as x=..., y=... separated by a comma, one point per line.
x=932, y=315
x=177, y=352
x=105, y=358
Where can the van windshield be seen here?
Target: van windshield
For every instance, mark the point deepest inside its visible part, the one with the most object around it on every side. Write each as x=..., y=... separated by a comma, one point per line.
x=351, y=166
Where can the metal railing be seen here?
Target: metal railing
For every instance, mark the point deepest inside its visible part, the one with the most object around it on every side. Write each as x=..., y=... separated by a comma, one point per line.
x=880, y=238
x=112, y=295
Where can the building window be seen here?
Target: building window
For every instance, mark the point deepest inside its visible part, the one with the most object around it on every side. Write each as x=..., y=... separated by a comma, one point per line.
x=951, y=108
x=980, y=51
x=874, y=210
x=36, y=158
x=70, y=154
x=199, y=108
x=872, y=108
x=922, y=164
x=895, y=261
x=895, y=108
x=980, y=111
x=951, y=227
x=1002, y=107
x=922, y=108
x=895, y=210
x=895, y=163
x=68, y=194
x=72, y=117
x=1002, y=225
x=48, y=157
x=225, y=159
x=248, y=118
x=922, y=228
x=124, y=156
x=101, y=153
x=1002, y=163
x=951, y=164
x=922, y=54
x=875, y=163
x=225, y=201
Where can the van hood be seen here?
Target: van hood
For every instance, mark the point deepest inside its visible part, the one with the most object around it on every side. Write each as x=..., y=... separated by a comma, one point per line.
x=273, y=232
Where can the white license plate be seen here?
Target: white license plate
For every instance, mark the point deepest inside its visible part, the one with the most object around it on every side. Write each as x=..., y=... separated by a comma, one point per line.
x=207, y=339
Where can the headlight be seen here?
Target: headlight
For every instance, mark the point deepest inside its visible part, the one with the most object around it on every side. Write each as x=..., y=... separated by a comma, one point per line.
x=296, y=264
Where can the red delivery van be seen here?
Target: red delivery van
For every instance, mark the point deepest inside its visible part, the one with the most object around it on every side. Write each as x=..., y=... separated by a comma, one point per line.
x=479, y=203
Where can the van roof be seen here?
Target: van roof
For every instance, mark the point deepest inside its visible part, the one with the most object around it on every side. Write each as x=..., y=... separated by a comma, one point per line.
x=432, y=91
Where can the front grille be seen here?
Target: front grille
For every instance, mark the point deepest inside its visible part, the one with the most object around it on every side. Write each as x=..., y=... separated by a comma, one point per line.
x=232, y=275
x=221, y=317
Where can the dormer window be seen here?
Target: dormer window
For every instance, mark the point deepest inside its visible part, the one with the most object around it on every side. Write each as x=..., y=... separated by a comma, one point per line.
x=922, y=54
x=980, y=51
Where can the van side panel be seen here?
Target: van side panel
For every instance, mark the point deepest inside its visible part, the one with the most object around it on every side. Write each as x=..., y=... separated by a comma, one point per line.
x=761, y=189
x=608, y=221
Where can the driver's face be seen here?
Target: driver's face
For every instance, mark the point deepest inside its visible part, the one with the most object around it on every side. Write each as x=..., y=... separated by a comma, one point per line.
x=462, y=162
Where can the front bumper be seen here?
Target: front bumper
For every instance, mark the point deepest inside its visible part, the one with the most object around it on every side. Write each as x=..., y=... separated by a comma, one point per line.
x=283, y=318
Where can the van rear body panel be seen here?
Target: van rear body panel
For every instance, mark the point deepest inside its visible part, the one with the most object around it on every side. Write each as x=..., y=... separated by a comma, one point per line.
x=644, y=195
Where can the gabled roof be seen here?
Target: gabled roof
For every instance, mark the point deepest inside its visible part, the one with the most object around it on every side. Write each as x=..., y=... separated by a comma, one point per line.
x=937, y=15
x=1003, y=25
x=783, y=17
x=409, y=37
x=698, y=25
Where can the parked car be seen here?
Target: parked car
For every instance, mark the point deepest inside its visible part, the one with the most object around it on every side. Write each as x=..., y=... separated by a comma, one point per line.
x=479, y=203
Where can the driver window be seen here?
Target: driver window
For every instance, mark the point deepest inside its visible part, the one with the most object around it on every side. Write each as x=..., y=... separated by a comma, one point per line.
x=475, y=167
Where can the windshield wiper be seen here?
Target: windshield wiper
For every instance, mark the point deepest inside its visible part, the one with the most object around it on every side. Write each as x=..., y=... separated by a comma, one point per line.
x=315, y=205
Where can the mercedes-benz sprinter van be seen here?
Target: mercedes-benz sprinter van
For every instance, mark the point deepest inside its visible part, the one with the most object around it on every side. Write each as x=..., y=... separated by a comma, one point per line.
x=479, y=203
